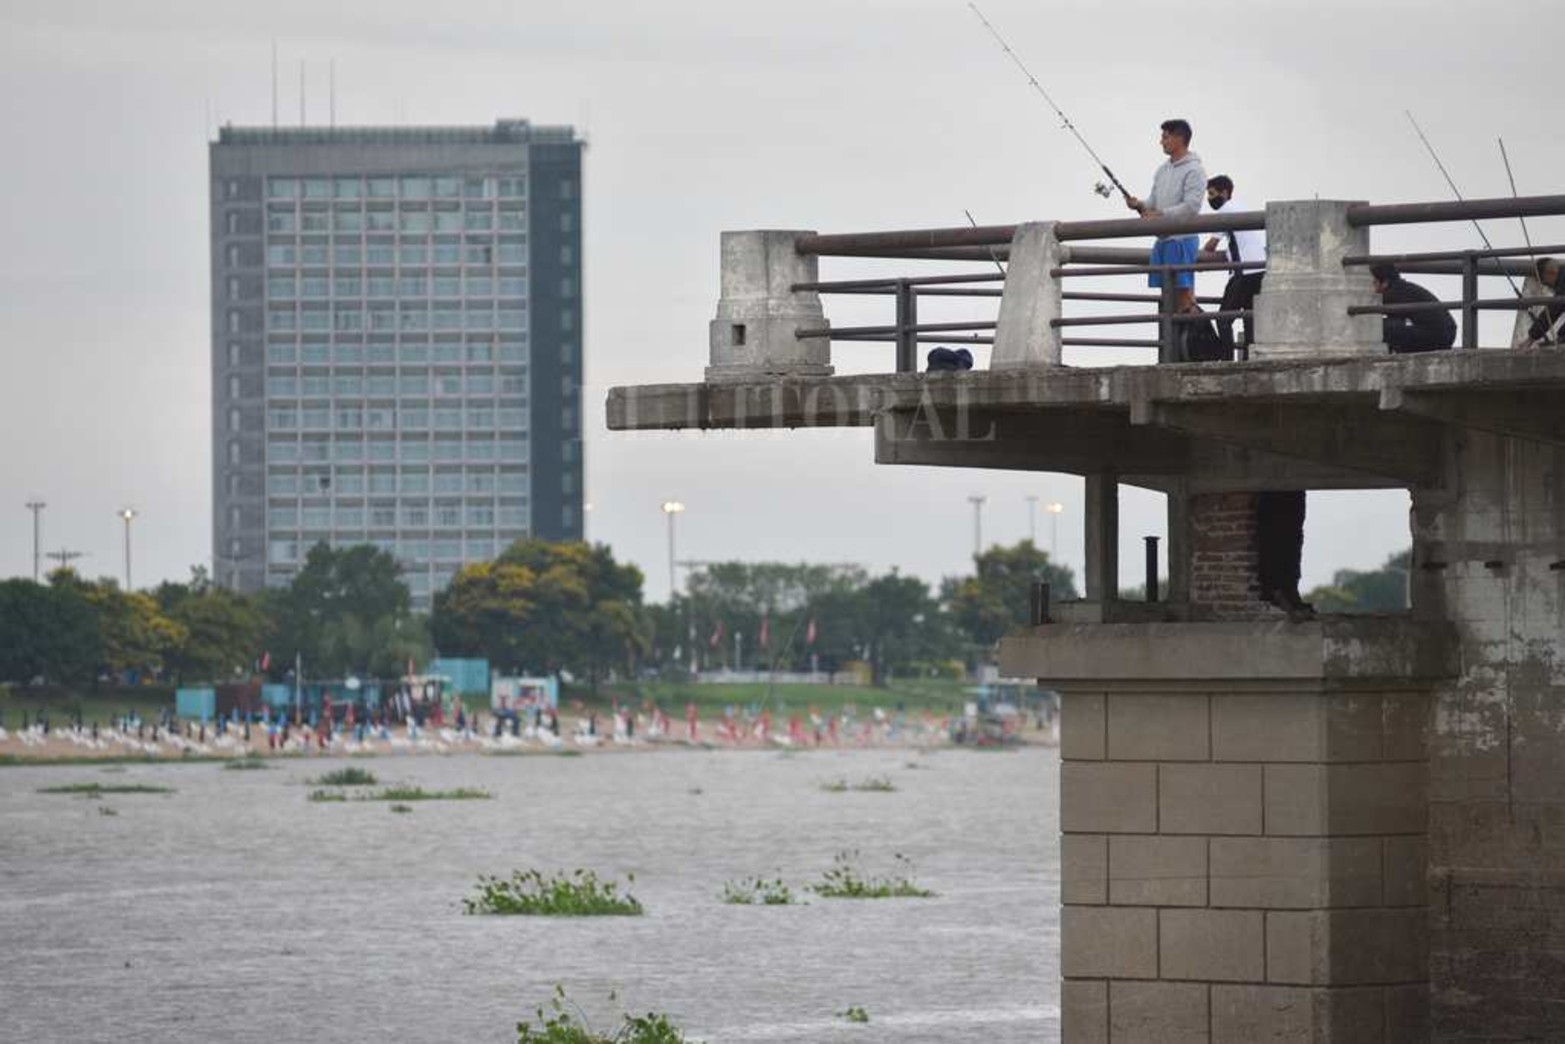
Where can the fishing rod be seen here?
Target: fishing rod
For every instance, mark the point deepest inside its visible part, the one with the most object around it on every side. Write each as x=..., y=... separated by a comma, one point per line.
x=1526, y=237
x=1100, y=188
x=1457, y=192
x=992, y=255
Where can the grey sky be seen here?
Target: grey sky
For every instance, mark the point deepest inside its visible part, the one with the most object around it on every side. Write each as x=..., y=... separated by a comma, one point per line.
x=702, y=116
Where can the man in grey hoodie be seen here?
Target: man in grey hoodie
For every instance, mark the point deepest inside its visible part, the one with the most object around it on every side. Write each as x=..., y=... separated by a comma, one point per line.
x=1178, y=190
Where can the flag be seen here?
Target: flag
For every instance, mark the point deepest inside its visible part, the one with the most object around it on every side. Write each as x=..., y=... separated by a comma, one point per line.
x=717, y=635
x=266, y=661
x=809, y=632
x=766, y=630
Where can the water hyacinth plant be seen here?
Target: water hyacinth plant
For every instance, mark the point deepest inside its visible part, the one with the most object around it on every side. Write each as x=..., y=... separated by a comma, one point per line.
x=757, y=891
x=348, y=777
x=95, y=789
x=559, y=1026
x=580, y=893
x=845, y=881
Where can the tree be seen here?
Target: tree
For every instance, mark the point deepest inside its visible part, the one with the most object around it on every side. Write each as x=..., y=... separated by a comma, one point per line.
x=224, y=629
x=47, y=631
x=346, y=612
x=994, y=601
x=547, y=607
x=1381, y=591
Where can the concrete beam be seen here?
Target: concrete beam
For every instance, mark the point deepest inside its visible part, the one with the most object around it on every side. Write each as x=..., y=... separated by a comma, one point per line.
x=1512, y=412
x=1404, y=449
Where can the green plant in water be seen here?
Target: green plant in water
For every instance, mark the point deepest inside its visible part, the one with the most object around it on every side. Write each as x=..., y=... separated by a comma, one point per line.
x=402, y=808
x=845, y=881
x=249, y=761
x=855, y=1014
x=876, y=785
x=105, y=810
x=348, y=777
x=580, y=893
x=420, y=794
x=835, y=786
x=757, y=891
x=94, y=789
x=327, y=795
x=559, y=1026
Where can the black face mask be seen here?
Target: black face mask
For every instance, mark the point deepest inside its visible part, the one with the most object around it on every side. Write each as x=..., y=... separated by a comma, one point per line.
x=1215, y=202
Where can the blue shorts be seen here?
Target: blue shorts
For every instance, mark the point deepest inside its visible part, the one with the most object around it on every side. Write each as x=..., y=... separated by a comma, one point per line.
x=1181, y=250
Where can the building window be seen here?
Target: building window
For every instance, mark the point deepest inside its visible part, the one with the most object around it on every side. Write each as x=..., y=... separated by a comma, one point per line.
x=233, y=322
x=231, y=223
x=233, y=353
x=233, y=453
x=233, y=255
x=233, y=387
x=233, y=420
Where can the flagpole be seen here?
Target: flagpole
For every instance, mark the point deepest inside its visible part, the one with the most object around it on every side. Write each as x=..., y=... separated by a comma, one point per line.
x=772, y=680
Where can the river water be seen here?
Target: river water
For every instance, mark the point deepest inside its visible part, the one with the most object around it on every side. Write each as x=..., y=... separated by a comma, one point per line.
x=235, y=910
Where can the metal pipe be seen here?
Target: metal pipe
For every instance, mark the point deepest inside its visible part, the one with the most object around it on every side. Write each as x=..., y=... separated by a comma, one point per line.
x=1108, y=342
x=1451, y=255
x=1143, y=269
x=1494, y=304
x=1132, y=320
x=1465, y=210
x=907, y=328
x=1151, y=543
x=819, y=332
x=891, y=283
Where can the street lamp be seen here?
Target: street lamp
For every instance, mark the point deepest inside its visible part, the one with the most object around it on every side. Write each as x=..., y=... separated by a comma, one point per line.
x=977, y=500
x=127, y=514
x=36, y=507
x=1054, y=537
x=670, y=509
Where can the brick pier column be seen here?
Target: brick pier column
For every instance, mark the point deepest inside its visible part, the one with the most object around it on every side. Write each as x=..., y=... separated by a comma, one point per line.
x=1244, y=815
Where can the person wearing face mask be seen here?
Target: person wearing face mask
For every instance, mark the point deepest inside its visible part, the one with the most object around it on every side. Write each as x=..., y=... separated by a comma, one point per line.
x=1239, y=294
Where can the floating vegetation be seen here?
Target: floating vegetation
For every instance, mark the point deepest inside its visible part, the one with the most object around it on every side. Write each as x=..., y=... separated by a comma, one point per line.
x=757, y=891
x=559, y=1026
x=580, y=893
x=402, y=808
x=105, y=810
x=327, y=795
x=872, y=785
x=855, y=1014
x=845, y=881
x=248, y=762
x=348, y=777
x=95, y=789
x=420, y=794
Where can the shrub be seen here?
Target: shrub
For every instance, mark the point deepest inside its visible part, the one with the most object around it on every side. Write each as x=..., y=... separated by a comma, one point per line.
x=757, y=891
x=559, y=1027
x=348, y=777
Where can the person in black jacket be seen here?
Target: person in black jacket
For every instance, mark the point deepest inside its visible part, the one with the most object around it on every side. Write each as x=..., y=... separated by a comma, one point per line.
x=1428, y=331
x=1545, y=327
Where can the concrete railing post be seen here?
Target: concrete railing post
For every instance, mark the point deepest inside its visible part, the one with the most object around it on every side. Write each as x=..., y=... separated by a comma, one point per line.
x=1023, y=336
x=759, y=314
x=1302, y=309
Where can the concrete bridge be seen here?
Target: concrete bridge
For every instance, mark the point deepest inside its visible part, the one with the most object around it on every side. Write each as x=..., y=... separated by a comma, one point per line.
x=1275, y=828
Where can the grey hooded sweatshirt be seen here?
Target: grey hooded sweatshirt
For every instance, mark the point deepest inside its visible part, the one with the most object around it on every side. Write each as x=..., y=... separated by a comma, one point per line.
x=1178, y=187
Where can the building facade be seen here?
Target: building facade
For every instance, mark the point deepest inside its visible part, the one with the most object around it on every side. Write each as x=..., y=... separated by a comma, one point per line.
x=396, y=345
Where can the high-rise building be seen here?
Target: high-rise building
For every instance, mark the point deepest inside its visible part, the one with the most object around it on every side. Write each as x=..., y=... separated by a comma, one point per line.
x=396, y=345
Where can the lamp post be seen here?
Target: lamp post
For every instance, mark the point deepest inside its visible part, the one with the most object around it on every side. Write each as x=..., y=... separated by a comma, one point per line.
x=127, y=514
x=670, y=509
x=977, y=500
x=1054, y=536
x=36, y=507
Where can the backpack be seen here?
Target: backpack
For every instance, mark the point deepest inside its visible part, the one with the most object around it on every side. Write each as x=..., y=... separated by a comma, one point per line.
x=1198, y=342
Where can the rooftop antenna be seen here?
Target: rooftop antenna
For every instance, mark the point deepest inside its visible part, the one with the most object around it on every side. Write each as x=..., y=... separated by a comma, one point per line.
x=274, y=83
x=65, y=556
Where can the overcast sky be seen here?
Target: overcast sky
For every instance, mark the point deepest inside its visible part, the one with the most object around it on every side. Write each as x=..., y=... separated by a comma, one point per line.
x=702, y=116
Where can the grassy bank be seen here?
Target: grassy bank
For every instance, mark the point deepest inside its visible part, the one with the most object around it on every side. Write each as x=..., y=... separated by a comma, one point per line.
x=102, y=705
x=936, y=696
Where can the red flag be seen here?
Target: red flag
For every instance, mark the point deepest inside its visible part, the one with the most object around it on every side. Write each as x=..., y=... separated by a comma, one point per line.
x=266, y=661
x=717, y=635
x=766, y=630
x=809, y=632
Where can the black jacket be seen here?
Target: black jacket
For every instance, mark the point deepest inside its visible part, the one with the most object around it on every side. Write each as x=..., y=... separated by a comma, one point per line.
x=1421, y=331
x=1546, y=316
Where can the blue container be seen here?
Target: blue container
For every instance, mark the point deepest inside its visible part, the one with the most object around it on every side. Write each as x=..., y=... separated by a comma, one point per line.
x=196, y=703
x=468, y=677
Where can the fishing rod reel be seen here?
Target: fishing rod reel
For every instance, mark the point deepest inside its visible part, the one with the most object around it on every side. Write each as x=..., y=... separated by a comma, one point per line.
x=1102, y=189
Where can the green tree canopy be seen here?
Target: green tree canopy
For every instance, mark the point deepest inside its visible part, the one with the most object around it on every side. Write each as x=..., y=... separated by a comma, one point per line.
x=994, y=601
x=49, y=631
x=1383, y=590
x=224, y=630
x=545, y=607
x=346, y=612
